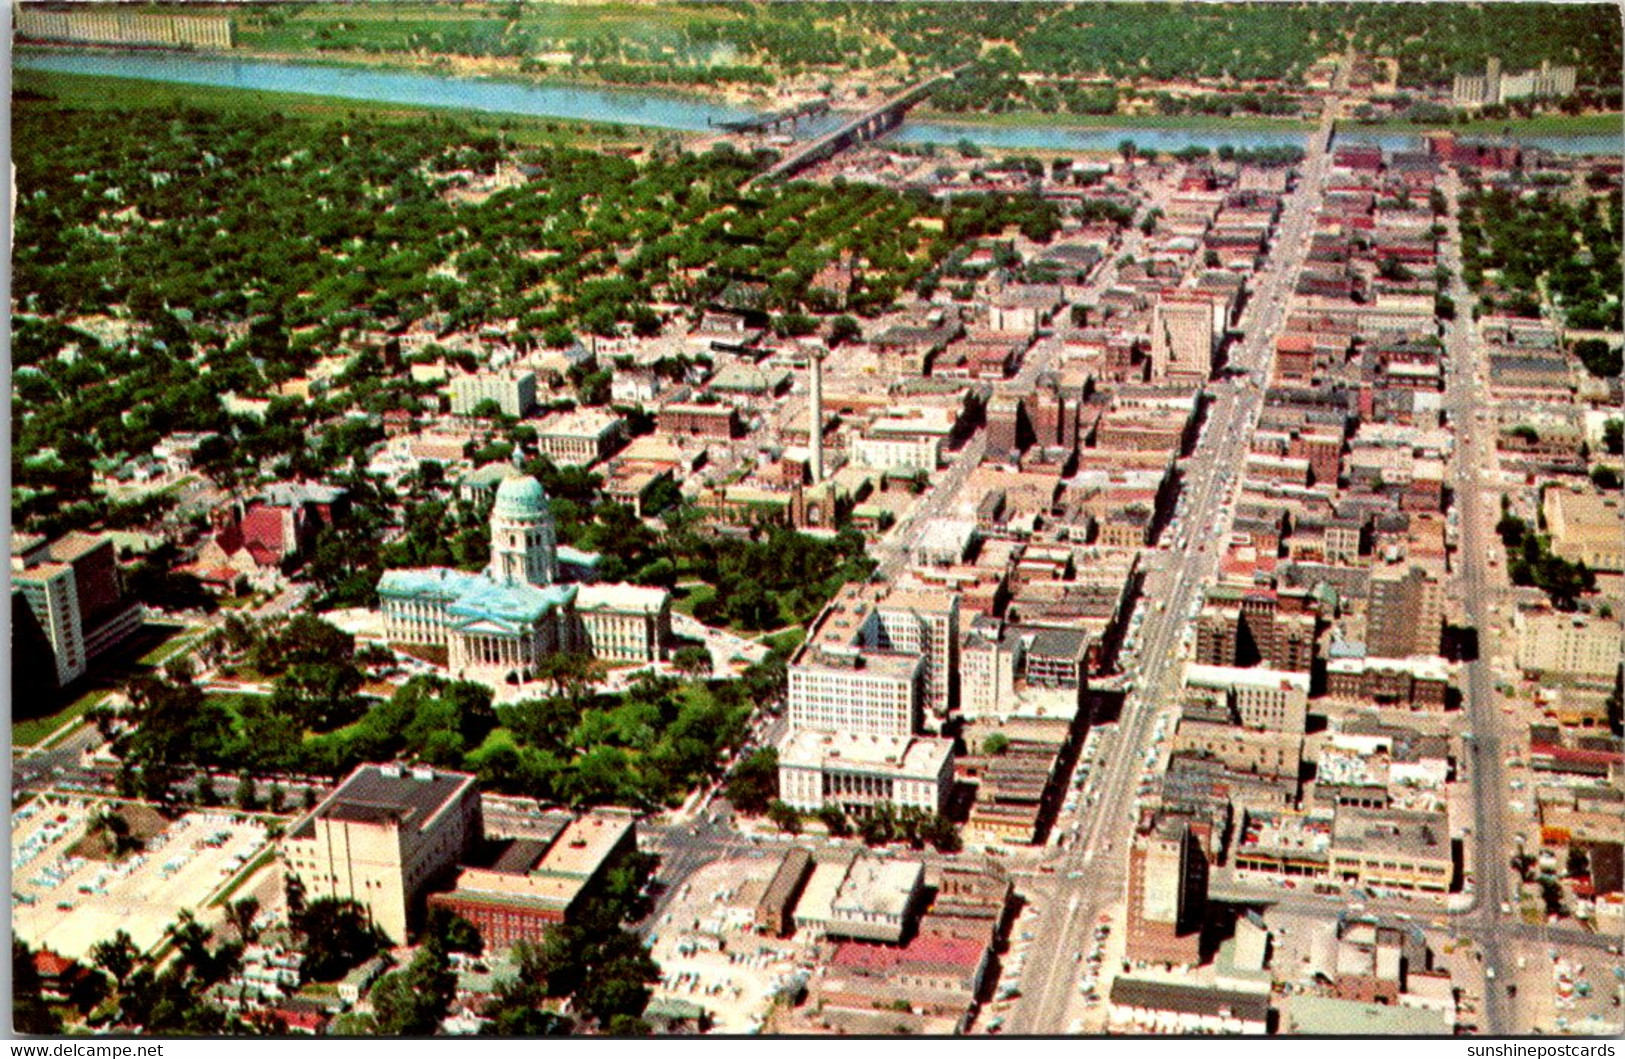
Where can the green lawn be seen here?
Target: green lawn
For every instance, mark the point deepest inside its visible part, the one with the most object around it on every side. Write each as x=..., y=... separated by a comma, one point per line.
x=29, y=732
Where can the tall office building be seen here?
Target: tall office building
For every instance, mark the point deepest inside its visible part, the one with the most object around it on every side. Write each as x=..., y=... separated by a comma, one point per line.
x=1167, y=890
x=380, y=839
x=925, y=623
x=1405, y=612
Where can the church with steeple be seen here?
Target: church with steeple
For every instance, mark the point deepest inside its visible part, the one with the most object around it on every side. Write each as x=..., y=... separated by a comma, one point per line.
x=499, y=624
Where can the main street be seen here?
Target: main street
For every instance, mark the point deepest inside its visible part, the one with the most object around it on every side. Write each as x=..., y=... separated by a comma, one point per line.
x=1093, y=873
x=1475, y=451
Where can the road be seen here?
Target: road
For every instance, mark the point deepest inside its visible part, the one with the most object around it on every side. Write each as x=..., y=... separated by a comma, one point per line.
x=1093, y=873
x=1475, y=452
x=892, y=554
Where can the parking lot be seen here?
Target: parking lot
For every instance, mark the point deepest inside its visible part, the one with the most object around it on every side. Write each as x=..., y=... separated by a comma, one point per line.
x=68, y=902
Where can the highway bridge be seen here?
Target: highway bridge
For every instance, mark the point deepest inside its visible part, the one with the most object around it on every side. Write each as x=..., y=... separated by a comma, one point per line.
x=870, y=125
x=778, y=118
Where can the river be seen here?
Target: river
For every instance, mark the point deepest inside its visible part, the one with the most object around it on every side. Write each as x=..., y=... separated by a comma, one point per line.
x=670, y=110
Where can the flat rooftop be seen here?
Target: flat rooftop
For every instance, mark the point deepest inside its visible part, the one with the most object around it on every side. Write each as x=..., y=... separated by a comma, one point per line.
x=388, y=794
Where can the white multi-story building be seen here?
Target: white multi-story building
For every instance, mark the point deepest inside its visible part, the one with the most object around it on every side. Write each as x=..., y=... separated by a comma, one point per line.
x=1572, y=645
x=926, y=623
x=581, y=437
x=514, y=392
x=382, y=838
x=858, y=772
x=847, y=690
x=629, y=623
x=892, y=453
x=1269, y=699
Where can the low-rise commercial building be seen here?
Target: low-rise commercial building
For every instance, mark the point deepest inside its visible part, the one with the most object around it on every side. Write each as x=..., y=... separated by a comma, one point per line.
x=535, y=886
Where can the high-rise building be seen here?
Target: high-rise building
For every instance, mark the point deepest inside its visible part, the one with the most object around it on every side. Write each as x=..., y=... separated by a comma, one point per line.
x=835, y=689
x=926, y=623
x=1493, y=86
x=382, y=838
x=72, y=587
x=1009, y=432
x=1184, y=336
x=1167, y=890
x=1405, y=612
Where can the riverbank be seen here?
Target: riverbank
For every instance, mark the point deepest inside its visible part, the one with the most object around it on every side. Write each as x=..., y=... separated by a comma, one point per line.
x=499, y=69
x=1540, y=125
x=105, y=92
x=1126, y=122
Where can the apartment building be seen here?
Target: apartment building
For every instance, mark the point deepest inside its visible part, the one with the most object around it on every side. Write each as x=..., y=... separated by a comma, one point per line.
x=75, y=598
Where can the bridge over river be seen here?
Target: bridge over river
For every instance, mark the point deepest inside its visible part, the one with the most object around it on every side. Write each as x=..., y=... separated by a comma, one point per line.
x=870, y=125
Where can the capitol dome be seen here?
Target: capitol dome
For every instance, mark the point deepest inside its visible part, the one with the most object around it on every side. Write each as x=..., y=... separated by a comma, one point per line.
x=520, y=497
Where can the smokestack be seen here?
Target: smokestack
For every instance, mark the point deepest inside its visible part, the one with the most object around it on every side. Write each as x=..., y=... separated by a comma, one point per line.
x=816, y=411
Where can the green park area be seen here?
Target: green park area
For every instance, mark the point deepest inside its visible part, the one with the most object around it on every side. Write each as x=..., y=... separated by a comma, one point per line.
x=647, y=746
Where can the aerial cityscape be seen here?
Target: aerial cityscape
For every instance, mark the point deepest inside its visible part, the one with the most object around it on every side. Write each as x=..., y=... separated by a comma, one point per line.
x=936, y=519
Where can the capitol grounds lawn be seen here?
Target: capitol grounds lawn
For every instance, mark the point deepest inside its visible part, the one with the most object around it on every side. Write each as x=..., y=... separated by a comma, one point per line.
x=91, y=92
x=150, y=647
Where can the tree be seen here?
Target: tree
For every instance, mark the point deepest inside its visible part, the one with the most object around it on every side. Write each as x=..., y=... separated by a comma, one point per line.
x=1600, y=359
x=451, y=932
x=692, y=661
x=785, y=817
x=844, y=329
x=412, y=1002
x=755, y=782
x=995, y=744
x=117, y=956
x=338, y=937
x=245, y=799
x=241, y=914
x=835, y=820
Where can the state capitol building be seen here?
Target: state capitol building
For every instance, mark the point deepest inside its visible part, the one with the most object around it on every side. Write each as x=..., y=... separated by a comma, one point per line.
x=499, y=624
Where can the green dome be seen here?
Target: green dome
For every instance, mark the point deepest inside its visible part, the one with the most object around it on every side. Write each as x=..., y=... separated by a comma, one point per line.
x=521, y=497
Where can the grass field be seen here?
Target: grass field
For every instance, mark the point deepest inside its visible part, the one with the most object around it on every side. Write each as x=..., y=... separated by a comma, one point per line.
x=33, y=730
x=89, y=92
